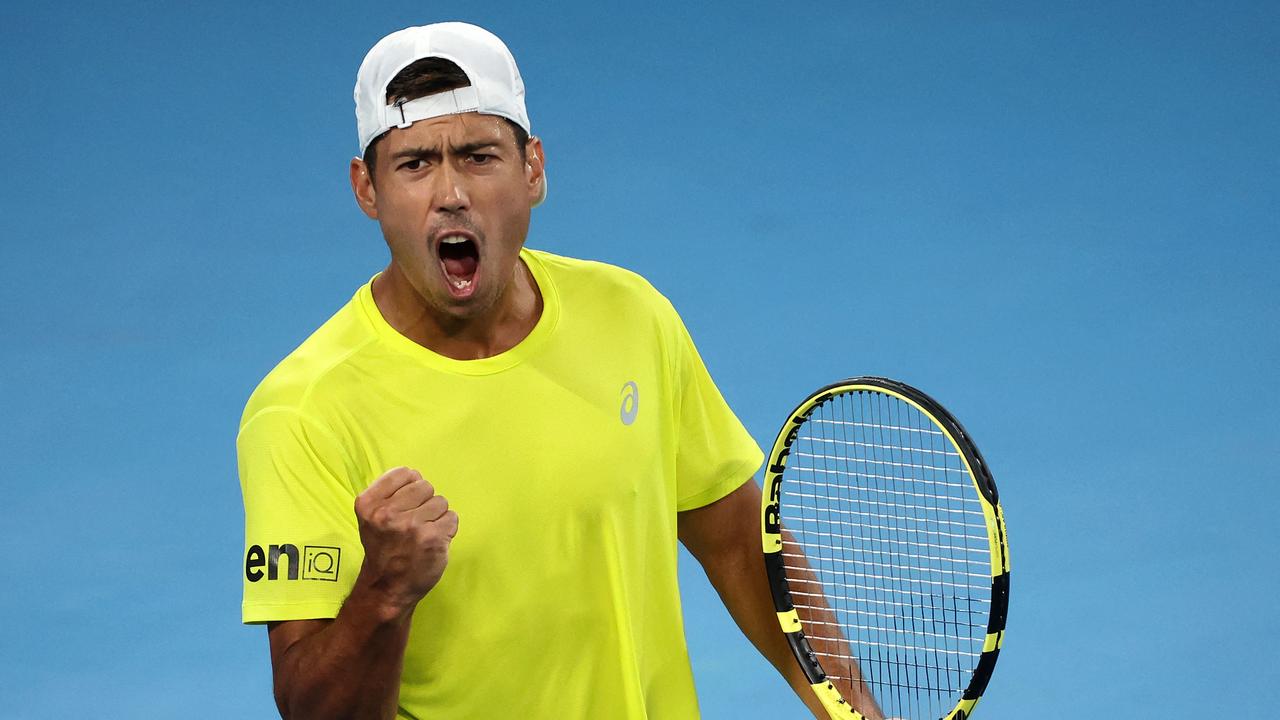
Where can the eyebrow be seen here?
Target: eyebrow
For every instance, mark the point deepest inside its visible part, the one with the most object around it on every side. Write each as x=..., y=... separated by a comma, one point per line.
x=463, y=149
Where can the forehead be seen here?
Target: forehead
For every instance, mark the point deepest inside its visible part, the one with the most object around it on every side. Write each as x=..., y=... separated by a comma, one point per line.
x=465, y=128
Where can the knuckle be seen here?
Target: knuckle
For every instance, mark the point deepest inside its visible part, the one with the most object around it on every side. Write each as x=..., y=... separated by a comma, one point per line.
x=448, y=524
x=424, y=535
x=381, y=516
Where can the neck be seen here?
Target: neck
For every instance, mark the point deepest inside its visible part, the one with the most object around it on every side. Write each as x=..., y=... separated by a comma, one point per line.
x=489, y=332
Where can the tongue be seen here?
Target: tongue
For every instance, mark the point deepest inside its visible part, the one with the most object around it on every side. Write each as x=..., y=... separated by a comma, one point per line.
x=462, y=268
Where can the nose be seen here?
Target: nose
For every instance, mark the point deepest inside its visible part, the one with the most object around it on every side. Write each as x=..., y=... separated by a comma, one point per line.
x=450, y=192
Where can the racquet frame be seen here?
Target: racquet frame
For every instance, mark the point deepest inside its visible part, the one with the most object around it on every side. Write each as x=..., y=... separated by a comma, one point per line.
x=771, y=540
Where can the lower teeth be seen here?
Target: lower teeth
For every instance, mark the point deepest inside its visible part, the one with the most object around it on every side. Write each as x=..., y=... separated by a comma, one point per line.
x=462, y=284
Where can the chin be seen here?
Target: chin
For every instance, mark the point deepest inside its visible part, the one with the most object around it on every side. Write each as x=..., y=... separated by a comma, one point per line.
x=462, y=308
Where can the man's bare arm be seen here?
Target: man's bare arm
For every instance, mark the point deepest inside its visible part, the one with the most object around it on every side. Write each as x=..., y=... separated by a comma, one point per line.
x=349, y=667
x=725, y=538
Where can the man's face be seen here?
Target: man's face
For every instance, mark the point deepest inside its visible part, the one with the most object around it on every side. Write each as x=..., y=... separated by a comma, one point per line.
x=453, y=197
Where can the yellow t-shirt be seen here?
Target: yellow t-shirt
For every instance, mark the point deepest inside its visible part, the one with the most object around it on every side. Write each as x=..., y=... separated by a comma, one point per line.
x=566, y=458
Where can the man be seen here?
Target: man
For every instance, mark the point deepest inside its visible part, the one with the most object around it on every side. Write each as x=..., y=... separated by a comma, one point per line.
x=559, y=406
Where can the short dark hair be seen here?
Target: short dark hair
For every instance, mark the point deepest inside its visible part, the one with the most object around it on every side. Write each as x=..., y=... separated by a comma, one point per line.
x=424, y=77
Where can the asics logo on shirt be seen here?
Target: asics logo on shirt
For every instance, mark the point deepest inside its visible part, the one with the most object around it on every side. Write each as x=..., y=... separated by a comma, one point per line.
x=630, y=402
x=315, y=562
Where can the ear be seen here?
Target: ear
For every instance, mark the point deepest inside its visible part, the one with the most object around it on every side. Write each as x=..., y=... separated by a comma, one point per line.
x=362, y=188
x=534, y=168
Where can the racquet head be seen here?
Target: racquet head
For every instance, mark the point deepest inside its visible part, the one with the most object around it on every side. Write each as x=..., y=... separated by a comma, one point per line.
x=885, y=546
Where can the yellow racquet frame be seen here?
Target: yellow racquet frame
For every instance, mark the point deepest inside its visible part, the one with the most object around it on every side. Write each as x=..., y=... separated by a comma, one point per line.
x=771, y=540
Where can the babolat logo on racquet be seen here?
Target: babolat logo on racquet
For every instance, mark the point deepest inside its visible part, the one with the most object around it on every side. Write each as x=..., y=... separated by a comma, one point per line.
x=885, y=545
x=315, y=562
x=773, y=479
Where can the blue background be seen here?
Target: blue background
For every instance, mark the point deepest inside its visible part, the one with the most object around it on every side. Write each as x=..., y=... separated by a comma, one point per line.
x=1059, y=219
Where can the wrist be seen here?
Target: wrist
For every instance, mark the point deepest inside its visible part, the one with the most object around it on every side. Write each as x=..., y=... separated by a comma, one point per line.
x=380, y=602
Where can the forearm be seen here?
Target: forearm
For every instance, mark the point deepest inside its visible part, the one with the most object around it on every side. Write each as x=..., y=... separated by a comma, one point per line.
x=725, y=538
x=351, y=667
x=743, y=586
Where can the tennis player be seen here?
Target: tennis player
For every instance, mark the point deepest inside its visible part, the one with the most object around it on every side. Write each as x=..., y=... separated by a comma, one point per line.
x=463, y=492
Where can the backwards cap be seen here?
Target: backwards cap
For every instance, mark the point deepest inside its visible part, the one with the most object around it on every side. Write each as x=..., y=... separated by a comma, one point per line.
x=496, y=87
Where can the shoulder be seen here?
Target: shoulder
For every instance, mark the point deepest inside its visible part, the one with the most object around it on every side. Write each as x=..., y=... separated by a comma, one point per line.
x=579, y=280
x=292, y=382
x=613, y=304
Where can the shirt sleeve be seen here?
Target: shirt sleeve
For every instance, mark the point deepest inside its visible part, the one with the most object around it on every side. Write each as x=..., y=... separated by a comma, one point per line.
x=302, y=543
x=714, y=454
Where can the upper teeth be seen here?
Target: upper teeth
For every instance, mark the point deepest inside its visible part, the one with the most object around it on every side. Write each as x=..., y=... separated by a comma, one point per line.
x=453, y=240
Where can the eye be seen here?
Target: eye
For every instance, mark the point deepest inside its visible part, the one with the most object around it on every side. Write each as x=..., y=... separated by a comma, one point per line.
x=481, y=158
x=414, y=164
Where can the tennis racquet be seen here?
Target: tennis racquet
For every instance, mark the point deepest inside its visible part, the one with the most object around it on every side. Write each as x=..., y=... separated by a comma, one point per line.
x=885, y=547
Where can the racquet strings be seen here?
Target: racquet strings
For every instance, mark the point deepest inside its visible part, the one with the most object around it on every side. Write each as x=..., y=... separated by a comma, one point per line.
x=886, y=553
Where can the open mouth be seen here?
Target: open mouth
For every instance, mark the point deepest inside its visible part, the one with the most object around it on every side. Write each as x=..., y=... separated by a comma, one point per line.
x=459, y=259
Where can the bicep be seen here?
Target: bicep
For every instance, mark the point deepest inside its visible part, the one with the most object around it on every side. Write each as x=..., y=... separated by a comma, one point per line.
x=725, y=528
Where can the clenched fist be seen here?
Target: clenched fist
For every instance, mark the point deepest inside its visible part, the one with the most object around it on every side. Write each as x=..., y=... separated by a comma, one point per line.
x=406, y=530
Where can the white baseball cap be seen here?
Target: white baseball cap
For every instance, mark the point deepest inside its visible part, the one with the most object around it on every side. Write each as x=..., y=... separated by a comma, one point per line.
x=496, y=87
